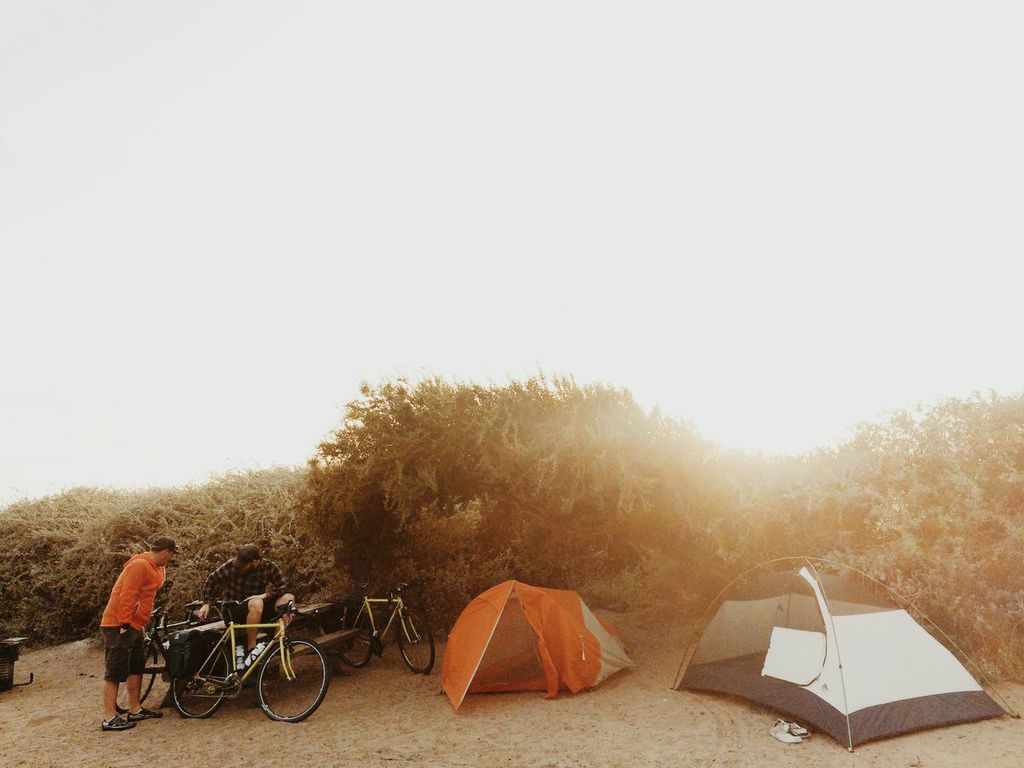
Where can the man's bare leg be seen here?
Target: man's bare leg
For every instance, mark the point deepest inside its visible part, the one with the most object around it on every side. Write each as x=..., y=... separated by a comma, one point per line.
x=110, y=698
x=253, y=617
x=134, y=685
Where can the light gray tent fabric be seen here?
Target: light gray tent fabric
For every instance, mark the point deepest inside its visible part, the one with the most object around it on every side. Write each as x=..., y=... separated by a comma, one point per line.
x=834, y=652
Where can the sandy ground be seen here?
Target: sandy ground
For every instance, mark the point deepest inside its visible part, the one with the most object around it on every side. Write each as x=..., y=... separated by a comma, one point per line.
x=383, y=715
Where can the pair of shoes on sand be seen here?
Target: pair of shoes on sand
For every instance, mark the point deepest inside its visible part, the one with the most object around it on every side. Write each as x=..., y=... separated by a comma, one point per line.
x=789, y=733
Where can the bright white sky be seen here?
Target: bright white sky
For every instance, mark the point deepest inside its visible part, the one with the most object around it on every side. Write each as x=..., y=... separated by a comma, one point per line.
x=774, y=220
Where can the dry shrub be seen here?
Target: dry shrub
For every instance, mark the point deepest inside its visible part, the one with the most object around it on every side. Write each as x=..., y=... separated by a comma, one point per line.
x=977, y=599
x=61, y=555
x=456, y=487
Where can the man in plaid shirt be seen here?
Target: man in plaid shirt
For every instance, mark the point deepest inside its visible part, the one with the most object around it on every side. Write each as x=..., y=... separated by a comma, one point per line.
x=248, y=578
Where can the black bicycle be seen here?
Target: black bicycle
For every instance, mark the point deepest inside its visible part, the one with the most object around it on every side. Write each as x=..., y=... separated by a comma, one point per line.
x=155, y=644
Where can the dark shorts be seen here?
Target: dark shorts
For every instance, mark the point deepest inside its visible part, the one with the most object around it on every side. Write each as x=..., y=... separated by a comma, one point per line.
x=124, y=654
x=269, y=616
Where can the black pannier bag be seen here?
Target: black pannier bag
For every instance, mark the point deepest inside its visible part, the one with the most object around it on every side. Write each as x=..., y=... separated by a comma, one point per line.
x=187, y=651
x=179, y=655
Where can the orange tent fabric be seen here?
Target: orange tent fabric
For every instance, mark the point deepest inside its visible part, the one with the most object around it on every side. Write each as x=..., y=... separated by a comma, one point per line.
x=515, y=637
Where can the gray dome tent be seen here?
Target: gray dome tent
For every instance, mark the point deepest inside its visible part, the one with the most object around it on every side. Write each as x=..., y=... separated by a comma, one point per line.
x=835, y=650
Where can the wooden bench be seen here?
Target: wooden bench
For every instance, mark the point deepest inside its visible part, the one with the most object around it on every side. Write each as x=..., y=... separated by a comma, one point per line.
x=308, y=621
x=311, y=616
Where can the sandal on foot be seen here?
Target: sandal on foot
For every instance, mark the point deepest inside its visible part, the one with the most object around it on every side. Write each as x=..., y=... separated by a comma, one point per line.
x=117, y=723
x=144, y=714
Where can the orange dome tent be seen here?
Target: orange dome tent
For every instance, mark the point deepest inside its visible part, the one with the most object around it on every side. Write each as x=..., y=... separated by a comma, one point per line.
x=515, y=637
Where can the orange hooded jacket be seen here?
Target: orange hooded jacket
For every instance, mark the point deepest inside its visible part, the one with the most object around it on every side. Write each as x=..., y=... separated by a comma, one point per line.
x=131, y=599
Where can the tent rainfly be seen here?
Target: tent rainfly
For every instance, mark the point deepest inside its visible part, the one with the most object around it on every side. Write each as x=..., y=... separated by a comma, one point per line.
x=834, y=650
x=515, y=637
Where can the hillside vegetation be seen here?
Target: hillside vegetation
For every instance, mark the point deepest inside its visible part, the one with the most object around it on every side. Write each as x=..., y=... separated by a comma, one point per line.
x=60, y=555
x=455, y=486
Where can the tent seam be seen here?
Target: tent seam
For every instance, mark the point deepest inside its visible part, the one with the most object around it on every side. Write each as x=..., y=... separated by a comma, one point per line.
x=483, y=652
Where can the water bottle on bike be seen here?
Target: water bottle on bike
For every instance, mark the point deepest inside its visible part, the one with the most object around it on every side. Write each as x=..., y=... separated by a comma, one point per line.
x=253, y=655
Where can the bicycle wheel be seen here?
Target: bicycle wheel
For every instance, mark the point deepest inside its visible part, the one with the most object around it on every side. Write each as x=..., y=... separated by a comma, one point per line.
x=196, y=699
x=291, y=691
x=415, y=641
x=355, y=651
x=154, y=667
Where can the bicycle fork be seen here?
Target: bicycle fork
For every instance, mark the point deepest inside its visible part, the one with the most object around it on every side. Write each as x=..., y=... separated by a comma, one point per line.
x=286, y=661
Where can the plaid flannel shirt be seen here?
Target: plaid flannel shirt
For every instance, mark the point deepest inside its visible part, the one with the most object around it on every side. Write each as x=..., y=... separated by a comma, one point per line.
x=229, y=583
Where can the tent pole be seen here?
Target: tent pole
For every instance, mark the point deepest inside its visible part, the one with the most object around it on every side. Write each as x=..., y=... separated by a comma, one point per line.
x=1003, y=702
x=681, y=672
x=713, y=605
x=908, y=603
x=839, y=654
x=892, y=593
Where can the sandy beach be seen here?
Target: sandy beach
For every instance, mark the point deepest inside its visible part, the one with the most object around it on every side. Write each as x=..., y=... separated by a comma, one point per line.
x=383, y=715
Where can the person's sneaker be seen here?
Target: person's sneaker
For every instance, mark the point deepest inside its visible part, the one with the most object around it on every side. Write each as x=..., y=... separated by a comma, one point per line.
x=781, y=732
x=798, y=730
x=144, y=714
x=117, y=723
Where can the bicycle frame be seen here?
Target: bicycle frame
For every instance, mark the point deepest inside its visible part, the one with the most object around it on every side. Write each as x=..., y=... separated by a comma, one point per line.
x=367, y=607
x=162, y=629
x=229, y=637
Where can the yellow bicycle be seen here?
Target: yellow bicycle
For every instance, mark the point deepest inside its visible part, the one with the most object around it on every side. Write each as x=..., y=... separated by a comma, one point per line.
x=415, y=640
x=292, y=674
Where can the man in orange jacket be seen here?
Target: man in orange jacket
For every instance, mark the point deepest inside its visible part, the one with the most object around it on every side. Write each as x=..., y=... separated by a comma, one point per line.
x=124, y=619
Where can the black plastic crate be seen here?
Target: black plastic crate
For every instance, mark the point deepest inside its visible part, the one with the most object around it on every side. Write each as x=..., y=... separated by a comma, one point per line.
x=6, y=674
x=9, y=650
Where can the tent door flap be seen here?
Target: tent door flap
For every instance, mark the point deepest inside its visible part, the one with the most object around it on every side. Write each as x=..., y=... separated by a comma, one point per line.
x=795, y=655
